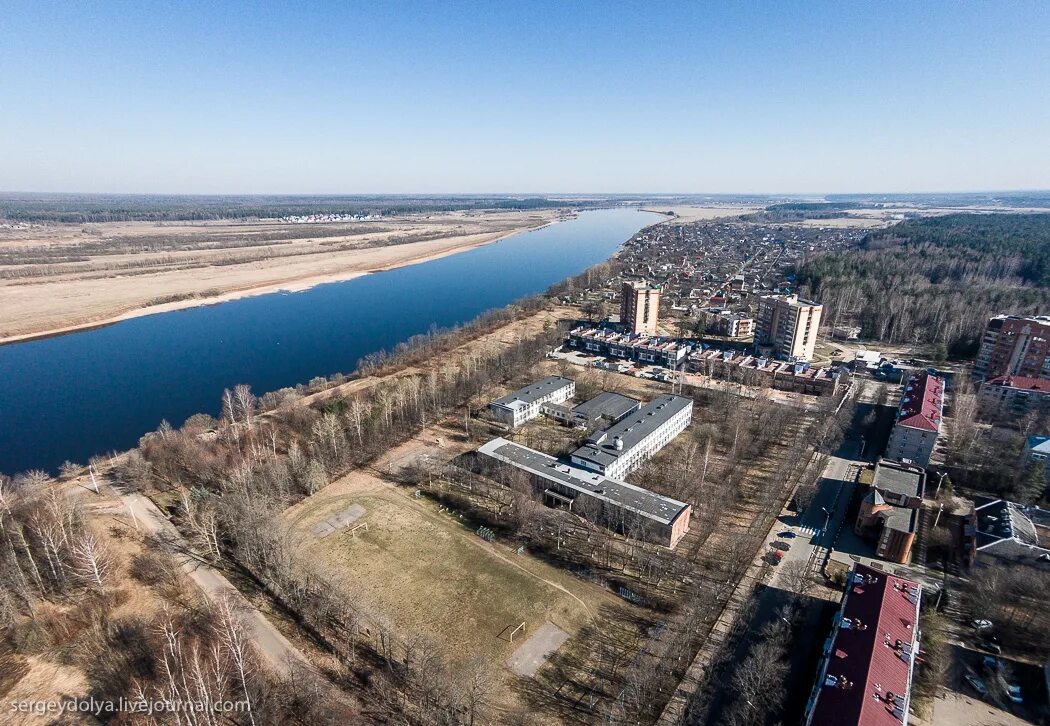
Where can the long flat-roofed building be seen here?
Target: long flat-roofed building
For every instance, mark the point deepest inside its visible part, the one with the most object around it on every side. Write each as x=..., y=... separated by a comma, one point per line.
x=606, y=406
x=518, y=407
x=865, y=676
x=623, y=446
x=627, y=508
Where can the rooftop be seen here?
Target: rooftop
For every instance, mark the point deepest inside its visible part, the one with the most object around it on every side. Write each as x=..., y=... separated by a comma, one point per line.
x=608, y=404
x=642, y=285
x=1025, y=383
x=1009, y=530
x=867, y=677
x=627, y=496
x=1040, y=319
x=533, y=391
x=922, y=402
x=899, y=478
x=793, y=300
x=601, y=448
x=628, y=340
x=1038, y=444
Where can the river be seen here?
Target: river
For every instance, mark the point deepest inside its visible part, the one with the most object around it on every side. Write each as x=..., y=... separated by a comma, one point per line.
x=89, y=392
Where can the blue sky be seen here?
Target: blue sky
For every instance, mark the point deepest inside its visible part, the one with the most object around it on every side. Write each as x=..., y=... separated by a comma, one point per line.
x=524, y=97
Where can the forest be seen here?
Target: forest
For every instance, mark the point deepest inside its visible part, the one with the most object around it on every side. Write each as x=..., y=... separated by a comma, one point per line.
x=937, y=279
x=83, y=208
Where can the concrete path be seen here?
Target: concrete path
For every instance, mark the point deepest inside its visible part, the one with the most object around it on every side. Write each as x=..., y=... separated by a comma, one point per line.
x=278, y=651
x=338, y=521
x=535, y=651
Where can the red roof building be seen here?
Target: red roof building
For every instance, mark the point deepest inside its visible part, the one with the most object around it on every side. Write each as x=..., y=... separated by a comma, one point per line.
x=918, y=420
x=865, y=677
x=1012, y=396
x=1025, y=383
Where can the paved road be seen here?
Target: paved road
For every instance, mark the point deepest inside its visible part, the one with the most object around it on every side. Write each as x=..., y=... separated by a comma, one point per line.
x=278, y=651
x=817, y=527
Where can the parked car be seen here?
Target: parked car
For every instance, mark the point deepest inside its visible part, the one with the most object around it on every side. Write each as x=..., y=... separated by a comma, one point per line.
x=787, y=534
x=1013, y=691
x=977, y=683
x=782, y=546
x=981, y=624
x=990, y=662
x=991, y=648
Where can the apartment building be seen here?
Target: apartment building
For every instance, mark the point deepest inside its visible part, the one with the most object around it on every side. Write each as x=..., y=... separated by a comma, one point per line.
x=1007, y=397
x=788, y=324
x=727, y=323
x=640, y=307
x=526, y=403
x=919, y=419
x=865, y=676
x=625, y=445
x=631, y=510
x=759, y=371
x=1014, y=346
x=642, y=348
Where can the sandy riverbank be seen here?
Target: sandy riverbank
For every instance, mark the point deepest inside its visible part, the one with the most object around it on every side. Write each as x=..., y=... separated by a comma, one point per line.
x=33, y=308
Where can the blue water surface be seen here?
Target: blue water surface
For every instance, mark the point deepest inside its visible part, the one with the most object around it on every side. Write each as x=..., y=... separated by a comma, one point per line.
x=89, y=392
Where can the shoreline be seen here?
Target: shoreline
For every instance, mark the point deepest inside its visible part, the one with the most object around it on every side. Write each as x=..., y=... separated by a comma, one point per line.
x=292, y=285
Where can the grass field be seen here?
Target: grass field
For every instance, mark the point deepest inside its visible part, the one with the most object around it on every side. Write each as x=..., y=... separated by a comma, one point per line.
x=431, y=575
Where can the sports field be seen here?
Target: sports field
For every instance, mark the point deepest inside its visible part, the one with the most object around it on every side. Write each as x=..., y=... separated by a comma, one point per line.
x=429, y=574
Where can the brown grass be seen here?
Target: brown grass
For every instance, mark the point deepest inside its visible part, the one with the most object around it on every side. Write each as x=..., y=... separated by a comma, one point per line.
x=61, y=277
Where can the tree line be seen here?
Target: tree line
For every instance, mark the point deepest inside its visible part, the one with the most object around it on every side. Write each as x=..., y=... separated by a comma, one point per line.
x=936, y=280
x=84, y=208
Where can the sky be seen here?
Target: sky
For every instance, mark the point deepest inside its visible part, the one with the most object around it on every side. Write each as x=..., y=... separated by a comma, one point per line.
x=528, y=97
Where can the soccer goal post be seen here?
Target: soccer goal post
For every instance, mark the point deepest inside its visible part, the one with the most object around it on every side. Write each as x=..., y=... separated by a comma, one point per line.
x=517, y=629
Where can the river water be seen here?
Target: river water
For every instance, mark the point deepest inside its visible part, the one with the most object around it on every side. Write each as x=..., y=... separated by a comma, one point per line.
x=89, y=392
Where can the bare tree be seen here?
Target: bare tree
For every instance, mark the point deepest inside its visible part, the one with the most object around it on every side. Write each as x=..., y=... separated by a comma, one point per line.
x=91, y=562
x=33, y=479
x=235, y=642
x=796, y=577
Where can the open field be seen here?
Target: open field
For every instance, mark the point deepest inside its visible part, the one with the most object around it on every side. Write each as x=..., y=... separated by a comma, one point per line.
x=56, y=278
x=429, y=573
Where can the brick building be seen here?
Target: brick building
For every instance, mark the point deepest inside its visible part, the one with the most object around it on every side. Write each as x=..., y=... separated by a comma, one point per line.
x=1014, y=346
x=889, y=512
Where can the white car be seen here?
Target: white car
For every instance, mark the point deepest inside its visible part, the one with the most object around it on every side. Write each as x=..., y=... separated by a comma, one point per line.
x=1014, y=692
x=981, y=624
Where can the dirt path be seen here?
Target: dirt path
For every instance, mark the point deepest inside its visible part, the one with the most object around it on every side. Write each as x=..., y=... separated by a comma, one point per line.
x=278, y=651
